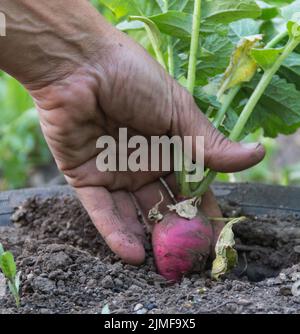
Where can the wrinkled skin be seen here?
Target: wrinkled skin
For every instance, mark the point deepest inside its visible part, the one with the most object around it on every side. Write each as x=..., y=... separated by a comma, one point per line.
x=92, y=85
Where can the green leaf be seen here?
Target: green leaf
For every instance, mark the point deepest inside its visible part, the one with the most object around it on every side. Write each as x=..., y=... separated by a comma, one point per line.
x=122, y=7
x=242, y=67
x=288, y=11
x=290, y=69
x=266, y=58
x=179, y=5
x=226, y=255
x=244, y=28
x=205, y=100
x=220, y=49
x=293, y=26
x=174, y=23
x=161, y=4
x=151, y=25
x=15, y=292
x=278, y=111
x=130, y=25
x=226, y=11
x=8, y=265
x=268, y=12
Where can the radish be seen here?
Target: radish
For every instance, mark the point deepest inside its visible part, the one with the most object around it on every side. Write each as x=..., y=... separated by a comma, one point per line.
x=182, y=240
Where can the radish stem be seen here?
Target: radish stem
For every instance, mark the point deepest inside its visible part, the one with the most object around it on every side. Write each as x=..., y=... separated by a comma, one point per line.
x=227, y=100
x=278, y=38
x=191, y=79
x=194, y=47
x=171, y=64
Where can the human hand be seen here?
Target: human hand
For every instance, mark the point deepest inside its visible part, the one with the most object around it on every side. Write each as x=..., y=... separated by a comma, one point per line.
x=111, y=83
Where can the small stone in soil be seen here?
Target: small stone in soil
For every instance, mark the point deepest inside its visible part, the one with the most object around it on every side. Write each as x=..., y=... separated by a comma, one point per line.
x=142, y=311
x=297, y=249
x=285, y=291
x=151, y=306
x=107, y=282
x=118, y=282
x=244, y=302
x=138, y=307
x=43, y=285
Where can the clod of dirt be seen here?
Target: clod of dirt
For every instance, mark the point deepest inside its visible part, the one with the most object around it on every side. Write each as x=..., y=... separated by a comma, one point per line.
x=67, y=268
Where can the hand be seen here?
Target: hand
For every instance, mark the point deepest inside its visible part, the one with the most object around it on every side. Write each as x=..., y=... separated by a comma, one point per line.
x=113, y=83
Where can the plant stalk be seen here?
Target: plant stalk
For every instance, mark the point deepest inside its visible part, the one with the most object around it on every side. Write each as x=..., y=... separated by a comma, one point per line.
x=156, y=47
x=170, y=46
x=227, y=100
x=191, y=79
x=194, y=47
x=278, y=38
x=171, y=63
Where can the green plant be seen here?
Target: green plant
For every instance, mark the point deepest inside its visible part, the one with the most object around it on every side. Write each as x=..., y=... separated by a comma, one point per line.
x=240, y=60
x=22, y=145
x=9, y=269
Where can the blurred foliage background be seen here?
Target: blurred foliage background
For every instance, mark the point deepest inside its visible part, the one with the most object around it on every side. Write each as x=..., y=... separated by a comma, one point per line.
x=23, y=149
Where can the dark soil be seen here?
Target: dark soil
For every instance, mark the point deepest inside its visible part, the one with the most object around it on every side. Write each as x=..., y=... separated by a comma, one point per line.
x=66, y=268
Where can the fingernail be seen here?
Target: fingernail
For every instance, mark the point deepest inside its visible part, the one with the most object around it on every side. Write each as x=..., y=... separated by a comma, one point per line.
x=251, y=146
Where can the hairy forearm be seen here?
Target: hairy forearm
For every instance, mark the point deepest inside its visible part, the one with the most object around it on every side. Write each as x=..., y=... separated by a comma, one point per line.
x=48, y=39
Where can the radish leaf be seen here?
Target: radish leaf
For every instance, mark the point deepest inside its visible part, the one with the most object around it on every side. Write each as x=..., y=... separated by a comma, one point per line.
x=242, y=67
x=265, y=58
x=226, y=11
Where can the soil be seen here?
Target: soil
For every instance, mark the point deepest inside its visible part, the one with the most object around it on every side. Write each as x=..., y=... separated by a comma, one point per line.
x=67, y=268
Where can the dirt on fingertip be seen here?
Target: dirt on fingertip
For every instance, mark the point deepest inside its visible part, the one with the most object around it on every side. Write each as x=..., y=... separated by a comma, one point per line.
x=67, y=268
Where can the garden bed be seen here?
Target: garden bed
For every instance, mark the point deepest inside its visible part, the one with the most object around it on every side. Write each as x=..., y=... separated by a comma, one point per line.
x=67, y=268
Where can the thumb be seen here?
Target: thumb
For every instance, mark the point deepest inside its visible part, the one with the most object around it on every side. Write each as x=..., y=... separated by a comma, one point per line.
x=220, y=153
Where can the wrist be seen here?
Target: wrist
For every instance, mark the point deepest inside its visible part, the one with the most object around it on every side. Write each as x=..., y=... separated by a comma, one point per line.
x=46, y=43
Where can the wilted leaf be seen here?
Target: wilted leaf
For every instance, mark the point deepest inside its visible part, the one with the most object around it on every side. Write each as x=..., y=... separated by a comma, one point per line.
x=226, y=255
x=242, y=66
